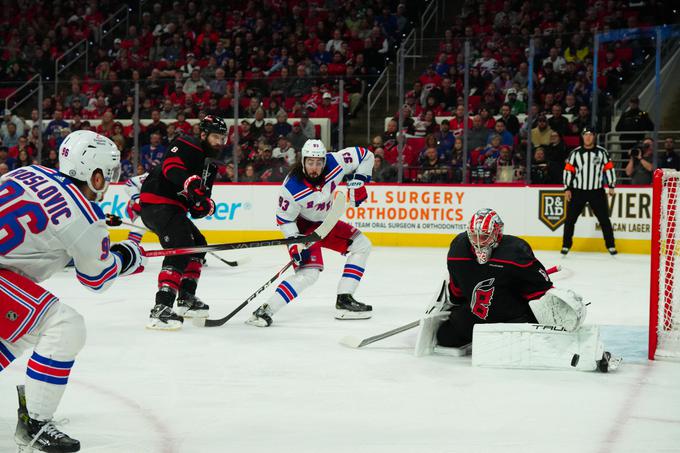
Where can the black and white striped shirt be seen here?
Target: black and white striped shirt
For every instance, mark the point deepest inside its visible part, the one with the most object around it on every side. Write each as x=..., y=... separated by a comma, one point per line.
x=586, y=169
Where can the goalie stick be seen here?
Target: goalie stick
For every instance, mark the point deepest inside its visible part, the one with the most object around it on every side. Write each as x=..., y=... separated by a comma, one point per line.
x=202, y=322
x=334, y=214
x=117, y=222
x=355, y=343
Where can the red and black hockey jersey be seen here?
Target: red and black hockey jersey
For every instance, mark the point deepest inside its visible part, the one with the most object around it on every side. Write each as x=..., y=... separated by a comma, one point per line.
x=499, y=290
x=185, y=157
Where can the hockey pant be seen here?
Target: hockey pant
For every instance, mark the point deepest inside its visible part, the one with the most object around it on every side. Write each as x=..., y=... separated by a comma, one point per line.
x=598, y=202
x=179, y=273
x=56, y=337
x=344, y=239
x=457, y=330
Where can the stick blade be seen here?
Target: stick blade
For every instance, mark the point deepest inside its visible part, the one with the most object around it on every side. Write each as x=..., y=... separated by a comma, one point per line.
x=352, y=342
x=336, y=211
x=198, y=322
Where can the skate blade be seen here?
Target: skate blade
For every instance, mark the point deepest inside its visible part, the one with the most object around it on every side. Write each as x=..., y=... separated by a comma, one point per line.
x=257, y=322
x=193, y=314
x=346, y=314
x=614, y=363
x=164, y=326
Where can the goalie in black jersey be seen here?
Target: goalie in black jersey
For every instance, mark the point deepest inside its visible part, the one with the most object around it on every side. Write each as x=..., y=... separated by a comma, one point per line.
x=498, y=285
x=492, y=277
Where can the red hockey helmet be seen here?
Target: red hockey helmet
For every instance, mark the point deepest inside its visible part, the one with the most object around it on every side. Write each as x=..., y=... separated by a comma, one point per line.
x=485, y=231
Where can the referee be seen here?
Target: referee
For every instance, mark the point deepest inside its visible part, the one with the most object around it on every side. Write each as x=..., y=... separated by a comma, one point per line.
x=584, y=173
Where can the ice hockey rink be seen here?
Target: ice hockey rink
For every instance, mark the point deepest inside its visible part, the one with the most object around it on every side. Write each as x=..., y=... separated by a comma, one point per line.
x=293, y=388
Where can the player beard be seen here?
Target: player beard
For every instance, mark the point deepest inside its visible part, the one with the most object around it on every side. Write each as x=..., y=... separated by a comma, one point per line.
x=210, y=151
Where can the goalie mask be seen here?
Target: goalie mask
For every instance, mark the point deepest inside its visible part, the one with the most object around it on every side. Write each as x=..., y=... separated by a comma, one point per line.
x=485, y=231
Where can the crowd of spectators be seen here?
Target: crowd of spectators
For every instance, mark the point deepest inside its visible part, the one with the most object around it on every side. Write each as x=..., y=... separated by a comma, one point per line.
x=286, y=55
x=499, y=32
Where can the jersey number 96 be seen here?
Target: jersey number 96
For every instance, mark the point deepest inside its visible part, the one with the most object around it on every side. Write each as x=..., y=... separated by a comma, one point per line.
x=16, y=216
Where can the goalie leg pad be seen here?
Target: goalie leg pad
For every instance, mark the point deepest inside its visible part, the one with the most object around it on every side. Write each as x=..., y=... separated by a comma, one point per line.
x=435, y=314
x=536, y=346
x=559, y=307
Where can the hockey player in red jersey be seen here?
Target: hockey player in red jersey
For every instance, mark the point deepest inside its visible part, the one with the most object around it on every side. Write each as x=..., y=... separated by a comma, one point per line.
x=171, y=189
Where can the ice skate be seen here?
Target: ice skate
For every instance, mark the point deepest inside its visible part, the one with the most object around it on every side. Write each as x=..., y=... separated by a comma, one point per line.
x=163, y=318
x=33, y=435
x=262, y=317
x=346, y=307
x=190, y=306
x=609, y=362
x=564, y=251
x=612, y=251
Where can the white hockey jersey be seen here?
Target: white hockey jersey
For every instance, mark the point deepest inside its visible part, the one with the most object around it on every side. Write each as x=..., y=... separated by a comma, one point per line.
x=298, y=198
x=45, y=221
x=133, y=187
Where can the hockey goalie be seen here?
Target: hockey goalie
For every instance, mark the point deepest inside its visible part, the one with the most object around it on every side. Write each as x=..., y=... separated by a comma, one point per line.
x=501, y=303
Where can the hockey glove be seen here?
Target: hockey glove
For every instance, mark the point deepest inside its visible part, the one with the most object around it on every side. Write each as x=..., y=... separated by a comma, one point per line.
x=298, y=253
x=357, y=189
x=200, y=203
x=113, y=220
x=133, y=210
x=131, y=256
x=195, y=189
x=202, y=209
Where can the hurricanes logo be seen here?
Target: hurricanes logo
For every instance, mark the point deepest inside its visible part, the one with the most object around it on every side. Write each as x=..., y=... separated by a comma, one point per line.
x=481, y=298
x=552, y=208
x=12, y=316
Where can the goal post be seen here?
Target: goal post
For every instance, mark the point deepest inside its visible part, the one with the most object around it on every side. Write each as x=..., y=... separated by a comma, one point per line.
x=664, y=308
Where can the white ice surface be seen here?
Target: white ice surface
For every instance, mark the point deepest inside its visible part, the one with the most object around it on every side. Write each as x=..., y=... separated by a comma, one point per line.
x=293, y=388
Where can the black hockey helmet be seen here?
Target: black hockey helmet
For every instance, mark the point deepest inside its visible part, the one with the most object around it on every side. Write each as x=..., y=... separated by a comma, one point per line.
x=213, y=125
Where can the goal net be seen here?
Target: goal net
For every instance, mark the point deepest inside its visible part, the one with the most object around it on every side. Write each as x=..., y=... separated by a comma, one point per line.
x=664, y=315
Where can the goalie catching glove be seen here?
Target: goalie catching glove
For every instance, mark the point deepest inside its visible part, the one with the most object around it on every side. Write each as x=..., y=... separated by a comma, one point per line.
x=131, y=257
x=200, y=203
x=357, y=189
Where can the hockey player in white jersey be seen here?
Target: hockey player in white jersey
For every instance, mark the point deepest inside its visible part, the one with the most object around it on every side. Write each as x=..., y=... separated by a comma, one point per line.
x=132, y=187
x=47, y=218
x=304, y=200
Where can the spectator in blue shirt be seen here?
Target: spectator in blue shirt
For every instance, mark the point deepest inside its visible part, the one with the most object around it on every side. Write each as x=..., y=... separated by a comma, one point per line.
x=445, y=139
x=152, y=154
x=506, y=137
x=55, y=126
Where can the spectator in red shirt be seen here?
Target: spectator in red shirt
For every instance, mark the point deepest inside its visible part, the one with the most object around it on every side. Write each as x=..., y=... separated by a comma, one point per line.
x=327, y=109
x=182, y=124
x=458, y=121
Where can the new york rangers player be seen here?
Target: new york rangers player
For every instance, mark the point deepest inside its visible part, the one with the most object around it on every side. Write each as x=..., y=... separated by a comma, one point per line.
x=304, y=200
x=48, y=218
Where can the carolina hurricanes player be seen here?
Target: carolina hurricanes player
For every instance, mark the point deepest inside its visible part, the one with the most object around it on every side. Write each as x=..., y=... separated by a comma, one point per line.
x=171, y=189
x=495, y=278
x=47, y=218
x=132, y=187
x=304, y=200
x=491, y=278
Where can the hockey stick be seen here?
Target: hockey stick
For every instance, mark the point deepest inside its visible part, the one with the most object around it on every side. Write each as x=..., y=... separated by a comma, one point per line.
x=227, y=262
x=336, y=211
x=355, y=343
x=202, y=322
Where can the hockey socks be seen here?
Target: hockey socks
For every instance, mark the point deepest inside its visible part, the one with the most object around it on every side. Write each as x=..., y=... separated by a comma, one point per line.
x=355, y=265
x=192, y=272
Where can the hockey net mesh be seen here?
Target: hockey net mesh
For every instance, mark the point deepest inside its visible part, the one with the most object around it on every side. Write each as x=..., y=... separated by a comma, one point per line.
x=668, y=311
